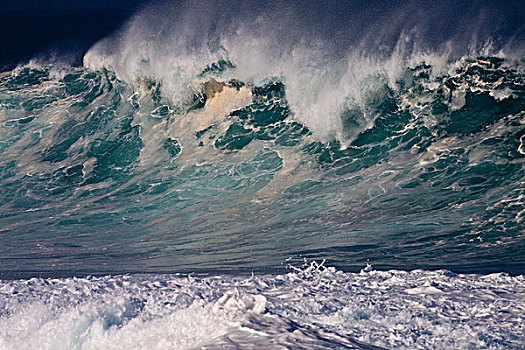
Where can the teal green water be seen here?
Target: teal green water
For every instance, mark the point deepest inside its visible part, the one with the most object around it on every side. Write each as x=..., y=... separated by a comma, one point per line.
x=98, y=175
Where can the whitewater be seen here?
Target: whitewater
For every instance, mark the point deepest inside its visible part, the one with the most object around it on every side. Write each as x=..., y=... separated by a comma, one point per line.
x=309, y=308
x=218, y=175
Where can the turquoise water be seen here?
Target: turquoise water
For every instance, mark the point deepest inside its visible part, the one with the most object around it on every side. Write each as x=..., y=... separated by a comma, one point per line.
x=99, y=175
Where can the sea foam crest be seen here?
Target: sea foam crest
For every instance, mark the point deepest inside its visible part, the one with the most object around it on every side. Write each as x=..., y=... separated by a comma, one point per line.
x=331, y=61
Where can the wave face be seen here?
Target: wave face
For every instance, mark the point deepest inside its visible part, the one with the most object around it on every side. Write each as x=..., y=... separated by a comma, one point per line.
x=101, y=175
x=313, y=308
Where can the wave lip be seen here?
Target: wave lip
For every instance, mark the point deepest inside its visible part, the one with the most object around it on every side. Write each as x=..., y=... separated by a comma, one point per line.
x=328, y=56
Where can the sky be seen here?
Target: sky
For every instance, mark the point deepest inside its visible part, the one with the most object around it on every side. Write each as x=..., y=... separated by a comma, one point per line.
x=47, y=28
x=21, y=5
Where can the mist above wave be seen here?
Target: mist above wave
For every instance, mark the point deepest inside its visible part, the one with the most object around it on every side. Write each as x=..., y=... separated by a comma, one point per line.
x=332, y=57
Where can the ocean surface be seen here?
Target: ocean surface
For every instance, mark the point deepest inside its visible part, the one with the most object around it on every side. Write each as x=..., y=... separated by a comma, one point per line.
x=247, y=176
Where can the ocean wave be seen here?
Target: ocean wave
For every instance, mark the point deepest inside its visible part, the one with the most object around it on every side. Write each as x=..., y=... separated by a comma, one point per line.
x=437, y=158
x=217, y=140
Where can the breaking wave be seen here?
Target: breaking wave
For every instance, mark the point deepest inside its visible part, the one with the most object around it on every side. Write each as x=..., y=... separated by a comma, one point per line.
x=94, y=168
x=225, y=139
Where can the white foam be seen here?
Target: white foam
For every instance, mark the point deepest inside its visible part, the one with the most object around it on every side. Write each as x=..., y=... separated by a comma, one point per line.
x=314, y=305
